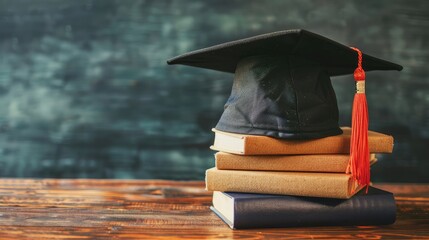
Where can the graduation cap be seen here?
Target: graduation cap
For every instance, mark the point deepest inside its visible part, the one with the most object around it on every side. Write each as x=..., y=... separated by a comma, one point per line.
x=282, y=86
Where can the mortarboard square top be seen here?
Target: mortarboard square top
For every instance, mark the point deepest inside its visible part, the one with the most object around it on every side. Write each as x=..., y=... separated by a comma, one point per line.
x=282, y=85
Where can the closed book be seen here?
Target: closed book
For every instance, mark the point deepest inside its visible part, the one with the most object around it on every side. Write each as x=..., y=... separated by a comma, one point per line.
x=247, y=210
x=298, y=163
x=263, y=145
x=310, y=184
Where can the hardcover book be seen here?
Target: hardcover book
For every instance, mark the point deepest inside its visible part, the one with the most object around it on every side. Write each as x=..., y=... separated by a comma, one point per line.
x=263, y=145
x=247, y=210
x=329, y=185
x=297, y=163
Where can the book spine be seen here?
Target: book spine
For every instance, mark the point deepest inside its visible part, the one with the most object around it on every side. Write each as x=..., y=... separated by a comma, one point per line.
x=301, y=163
x=328, y=145
x=334, y=163
x=295, y=212
x=329, y=185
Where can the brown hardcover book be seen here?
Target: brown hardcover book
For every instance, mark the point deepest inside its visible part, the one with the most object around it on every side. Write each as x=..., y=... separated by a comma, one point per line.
x=297, y=163
x=328, y=185
x=263, y=145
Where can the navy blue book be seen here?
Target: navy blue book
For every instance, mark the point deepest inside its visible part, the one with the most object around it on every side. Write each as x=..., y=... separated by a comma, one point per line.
x=248, y=210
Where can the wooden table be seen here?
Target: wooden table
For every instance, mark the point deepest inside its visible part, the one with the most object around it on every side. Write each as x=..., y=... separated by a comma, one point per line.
x=149, y=209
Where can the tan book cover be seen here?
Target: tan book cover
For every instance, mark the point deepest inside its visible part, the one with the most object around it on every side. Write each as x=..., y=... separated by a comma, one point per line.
x=329, y=185
x=297, y=163
x=263, y=145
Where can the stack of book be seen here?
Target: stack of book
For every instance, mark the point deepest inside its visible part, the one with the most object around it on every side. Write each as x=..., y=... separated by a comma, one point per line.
x=261, y=181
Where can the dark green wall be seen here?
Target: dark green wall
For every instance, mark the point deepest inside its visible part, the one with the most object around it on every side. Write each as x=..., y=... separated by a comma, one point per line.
x=85, y=90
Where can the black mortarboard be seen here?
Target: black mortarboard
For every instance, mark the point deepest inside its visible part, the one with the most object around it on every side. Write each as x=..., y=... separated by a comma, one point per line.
x=282, y=85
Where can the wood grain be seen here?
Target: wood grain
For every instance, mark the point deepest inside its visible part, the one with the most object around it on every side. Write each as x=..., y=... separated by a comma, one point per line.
x=158, y=209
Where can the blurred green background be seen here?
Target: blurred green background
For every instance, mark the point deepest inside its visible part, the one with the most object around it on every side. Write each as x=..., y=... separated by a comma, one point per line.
x=85, y=91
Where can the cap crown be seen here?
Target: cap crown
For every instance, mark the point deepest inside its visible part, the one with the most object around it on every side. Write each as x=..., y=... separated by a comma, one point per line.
x=281, y=96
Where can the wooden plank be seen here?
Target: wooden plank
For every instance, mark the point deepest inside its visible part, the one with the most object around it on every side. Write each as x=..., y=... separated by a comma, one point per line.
x=158, y=209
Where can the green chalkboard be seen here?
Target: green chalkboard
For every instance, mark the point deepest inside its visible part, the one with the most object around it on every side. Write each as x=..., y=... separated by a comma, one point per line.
x=85, y=91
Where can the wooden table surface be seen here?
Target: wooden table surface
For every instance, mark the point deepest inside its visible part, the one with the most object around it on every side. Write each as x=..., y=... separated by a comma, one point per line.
x=153, y=209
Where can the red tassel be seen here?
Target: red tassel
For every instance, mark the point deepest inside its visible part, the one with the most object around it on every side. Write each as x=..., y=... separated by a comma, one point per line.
x=359, y=150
